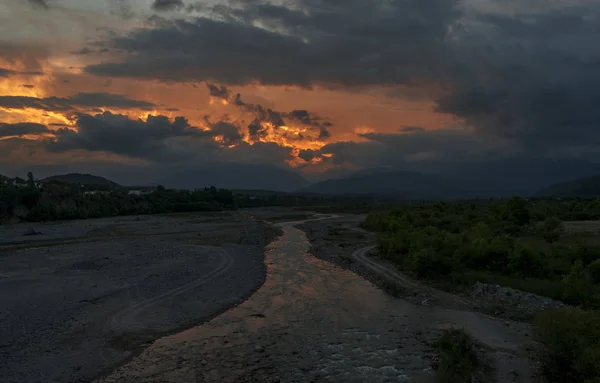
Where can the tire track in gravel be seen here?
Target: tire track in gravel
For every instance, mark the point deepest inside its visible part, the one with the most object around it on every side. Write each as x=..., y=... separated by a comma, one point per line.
x=126, y=318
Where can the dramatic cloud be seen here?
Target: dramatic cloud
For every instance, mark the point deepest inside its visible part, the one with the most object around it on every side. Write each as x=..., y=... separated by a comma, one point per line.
x=227, y=132
x=156, y=138
x=269, y=124
x=86, y=100
x=223, y=93
x=22, y=129
x=530, y=77
x=308, y=154
x=511, y=83
x=167, y=5
x=350, y=42
x=538, y=84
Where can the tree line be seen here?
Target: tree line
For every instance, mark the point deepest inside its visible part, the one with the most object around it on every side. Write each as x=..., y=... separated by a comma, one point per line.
x=60, y=201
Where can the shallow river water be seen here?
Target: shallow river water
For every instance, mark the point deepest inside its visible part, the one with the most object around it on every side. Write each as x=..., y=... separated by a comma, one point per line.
x=312, y=321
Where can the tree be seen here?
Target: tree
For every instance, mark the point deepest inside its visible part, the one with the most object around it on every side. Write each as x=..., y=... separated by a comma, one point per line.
x=551, y=229
x=30, y=180
x=578, y=286
x=516, y=211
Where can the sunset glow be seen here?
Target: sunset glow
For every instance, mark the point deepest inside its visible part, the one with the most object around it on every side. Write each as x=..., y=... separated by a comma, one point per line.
x=186, y=84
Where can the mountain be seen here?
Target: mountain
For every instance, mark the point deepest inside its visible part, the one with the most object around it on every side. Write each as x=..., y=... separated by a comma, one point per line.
x=403, y=184
x=82, y=179
x=236, y=176
x=508, y=177
x=581, y=187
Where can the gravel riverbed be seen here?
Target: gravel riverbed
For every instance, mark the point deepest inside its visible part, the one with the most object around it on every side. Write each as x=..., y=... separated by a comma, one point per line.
x=79, y=298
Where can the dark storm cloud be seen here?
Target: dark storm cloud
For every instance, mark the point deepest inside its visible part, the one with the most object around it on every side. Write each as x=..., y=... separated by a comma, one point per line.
x=529, y=80
x=256, y=131
x=223, y=93
x=307, y=118
x=157, y=138
x=324, y=133
x=308, y=154
x=349, y=42
x=538, y=84
x=167, y=5
x=86, y=100
x=258, y=152
x=22, y=129
x=228, y=131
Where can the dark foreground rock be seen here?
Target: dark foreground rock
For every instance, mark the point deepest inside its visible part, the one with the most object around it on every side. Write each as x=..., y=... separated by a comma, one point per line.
x=493, y=295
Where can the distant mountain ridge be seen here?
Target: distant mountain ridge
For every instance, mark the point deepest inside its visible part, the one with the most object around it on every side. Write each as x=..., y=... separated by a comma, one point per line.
x=237, y=176
x=403, y=184
x=581, y=187
x=81, y=179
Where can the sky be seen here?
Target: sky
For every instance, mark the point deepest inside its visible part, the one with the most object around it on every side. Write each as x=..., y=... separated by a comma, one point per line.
x=135, y=89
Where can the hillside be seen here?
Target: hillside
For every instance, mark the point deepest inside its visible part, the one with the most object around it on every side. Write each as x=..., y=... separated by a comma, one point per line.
x=581, y=187
x=403, y=184
x=82, y=179
x=235, y=177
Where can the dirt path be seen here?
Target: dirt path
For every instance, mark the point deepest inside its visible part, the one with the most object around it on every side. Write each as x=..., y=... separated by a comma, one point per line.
x=361, y=256
x=312, y=321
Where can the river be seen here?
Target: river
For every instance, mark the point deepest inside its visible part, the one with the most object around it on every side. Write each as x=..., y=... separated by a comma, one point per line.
x=312, y=321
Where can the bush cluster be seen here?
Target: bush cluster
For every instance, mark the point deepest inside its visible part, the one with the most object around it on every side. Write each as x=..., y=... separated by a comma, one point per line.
x=440, y=239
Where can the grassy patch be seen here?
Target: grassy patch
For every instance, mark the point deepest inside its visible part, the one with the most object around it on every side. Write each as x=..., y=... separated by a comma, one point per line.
x=458, y=360
x=579, y=226
x=571, y=338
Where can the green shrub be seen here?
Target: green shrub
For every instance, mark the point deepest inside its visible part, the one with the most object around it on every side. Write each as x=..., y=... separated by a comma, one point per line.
x=526, y=262
x=428, y=264
x=587, y=254
x=578, y=286
x=489, y=253
x=594, y=270
x=551, y=229
x=571, y=338
x=458, y=358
